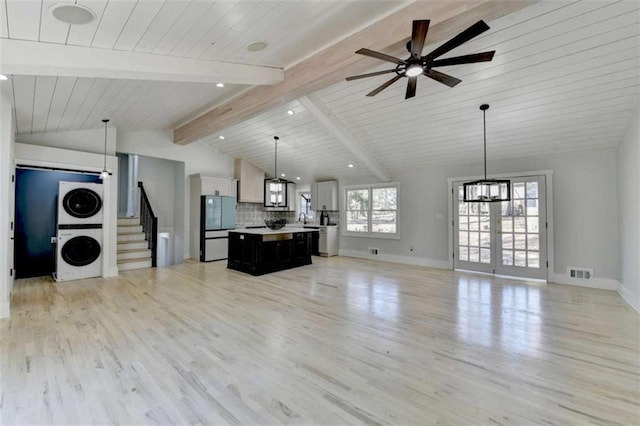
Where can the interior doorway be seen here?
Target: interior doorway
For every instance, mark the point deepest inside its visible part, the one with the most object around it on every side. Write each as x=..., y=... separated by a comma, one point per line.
x=504, y=238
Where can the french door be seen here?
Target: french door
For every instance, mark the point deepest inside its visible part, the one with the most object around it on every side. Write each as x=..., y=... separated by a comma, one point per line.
x=506, y=238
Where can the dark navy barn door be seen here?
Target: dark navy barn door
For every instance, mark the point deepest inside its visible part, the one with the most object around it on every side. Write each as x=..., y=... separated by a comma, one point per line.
x=36, y=204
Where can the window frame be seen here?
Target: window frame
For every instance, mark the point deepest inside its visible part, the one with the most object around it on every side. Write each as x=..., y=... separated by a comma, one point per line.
x=370, y=233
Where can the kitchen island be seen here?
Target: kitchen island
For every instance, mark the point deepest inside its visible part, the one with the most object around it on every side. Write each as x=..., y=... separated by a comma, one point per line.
x=260, y=251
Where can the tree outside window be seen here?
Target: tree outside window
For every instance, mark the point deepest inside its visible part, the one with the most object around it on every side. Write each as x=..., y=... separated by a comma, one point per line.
x=372, y=210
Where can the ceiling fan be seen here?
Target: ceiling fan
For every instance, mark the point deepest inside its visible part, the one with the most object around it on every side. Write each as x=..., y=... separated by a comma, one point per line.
x=416, y=64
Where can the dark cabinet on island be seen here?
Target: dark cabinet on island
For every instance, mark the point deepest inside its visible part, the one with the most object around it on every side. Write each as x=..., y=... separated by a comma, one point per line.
x=260, y=251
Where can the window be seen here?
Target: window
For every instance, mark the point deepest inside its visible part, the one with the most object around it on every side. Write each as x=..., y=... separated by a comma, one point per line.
x=305, y=205
x=372, y=211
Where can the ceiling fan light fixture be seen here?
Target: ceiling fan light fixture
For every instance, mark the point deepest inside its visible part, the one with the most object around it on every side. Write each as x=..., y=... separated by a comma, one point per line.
x=72, y=14
x=414, y=70
x=486, y=190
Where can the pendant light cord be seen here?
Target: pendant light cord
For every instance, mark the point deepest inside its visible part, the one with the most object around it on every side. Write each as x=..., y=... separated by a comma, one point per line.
x=484, y=108
x=484, y=122
x=276, y=162
x=105, y=121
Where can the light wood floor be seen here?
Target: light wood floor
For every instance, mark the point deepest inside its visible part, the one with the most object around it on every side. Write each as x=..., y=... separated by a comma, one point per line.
x=342, y=341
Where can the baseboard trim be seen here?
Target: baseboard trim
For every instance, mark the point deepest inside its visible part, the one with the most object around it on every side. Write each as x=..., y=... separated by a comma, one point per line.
x=624, y=292
x=5, y=310
x=406, y=260
x=597, y=283
x=111, y=272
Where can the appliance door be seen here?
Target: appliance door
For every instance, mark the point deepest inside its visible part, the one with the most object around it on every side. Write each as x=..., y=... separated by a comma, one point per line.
x=81, y=250
x=228, y=207
x=322, y=241
x=82, y=203
x=216, y=246
x=212, y=211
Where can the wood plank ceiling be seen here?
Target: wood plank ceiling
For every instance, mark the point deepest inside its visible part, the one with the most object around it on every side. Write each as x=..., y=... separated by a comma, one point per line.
x=565, y=78
x=203, y=29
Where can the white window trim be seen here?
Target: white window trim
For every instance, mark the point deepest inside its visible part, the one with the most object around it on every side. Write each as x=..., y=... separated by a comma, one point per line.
x=376, y=235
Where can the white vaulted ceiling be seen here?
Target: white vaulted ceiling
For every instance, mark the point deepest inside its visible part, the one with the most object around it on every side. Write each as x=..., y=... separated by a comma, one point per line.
x=565, y=77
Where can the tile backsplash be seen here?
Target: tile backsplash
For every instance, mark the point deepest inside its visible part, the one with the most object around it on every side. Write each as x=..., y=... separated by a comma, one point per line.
x=255, y=214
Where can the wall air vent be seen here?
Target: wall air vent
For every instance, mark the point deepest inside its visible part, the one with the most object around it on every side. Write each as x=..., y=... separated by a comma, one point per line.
x=580, y=273
x=373, y=251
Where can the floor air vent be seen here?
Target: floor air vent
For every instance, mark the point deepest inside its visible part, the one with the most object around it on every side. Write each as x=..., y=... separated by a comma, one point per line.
x=580, y=273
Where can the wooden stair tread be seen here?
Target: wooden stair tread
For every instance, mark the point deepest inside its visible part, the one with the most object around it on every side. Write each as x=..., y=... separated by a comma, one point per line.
x=137, y=259
x=131, y=250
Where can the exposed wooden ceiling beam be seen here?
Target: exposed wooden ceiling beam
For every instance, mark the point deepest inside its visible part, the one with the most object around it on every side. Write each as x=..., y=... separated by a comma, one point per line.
x=337, y=128
x=33, y=58
x=338, y=61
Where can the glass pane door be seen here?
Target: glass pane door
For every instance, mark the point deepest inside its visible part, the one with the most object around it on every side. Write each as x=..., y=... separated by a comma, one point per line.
x=507, y=238
x=473, y=236
x=521, y=241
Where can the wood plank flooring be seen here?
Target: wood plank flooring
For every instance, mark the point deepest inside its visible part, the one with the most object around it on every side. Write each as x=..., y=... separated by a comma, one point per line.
x=342, y=341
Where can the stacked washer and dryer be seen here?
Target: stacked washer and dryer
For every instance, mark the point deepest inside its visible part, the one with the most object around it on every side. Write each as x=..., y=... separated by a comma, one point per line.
x=79, y=239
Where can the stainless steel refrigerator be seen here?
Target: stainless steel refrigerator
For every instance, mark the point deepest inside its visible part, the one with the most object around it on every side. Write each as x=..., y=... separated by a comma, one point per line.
x=217, y=217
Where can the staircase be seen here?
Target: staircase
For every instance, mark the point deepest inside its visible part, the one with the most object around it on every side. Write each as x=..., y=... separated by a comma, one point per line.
x=133, y=248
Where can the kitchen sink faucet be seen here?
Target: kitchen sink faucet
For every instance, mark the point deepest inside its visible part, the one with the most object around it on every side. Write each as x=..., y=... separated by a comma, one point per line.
x=305, y=218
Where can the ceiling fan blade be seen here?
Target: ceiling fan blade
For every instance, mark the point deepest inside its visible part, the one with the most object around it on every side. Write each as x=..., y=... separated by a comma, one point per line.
x=442, y=77
x=466, y=59
x=379, y=55
x=411, y=87
x=471, y=32
x=418, y=35
x=371, y=74
x=384, y=86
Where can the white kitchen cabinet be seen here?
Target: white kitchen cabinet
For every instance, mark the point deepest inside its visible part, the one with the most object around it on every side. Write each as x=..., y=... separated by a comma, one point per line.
x=250, y=182
x=207, y=185
x=324, y=196
x=328, y=241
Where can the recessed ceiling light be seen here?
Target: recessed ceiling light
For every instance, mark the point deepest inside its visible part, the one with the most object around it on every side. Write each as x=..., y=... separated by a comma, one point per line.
x=282, y=174
x=221, y=137
x=3, y=77
x=290, y=112
x=72, y=14
x=257, y=46
x=220, y=85
x=298, y=178
x=350, y=166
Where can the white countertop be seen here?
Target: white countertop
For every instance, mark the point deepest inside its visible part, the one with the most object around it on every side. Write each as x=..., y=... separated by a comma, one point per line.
x=267, y=231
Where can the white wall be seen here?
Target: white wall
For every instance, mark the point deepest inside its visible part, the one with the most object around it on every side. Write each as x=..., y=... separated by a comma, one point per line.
x=6, y=206
x=159, y=179
x=197, y=158
x=628, y=165
x=585, y=211
x=77, y=140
